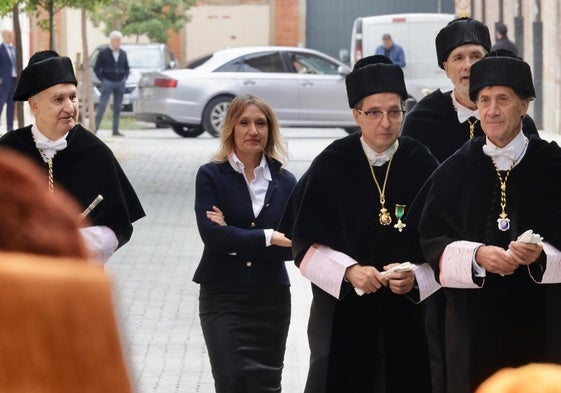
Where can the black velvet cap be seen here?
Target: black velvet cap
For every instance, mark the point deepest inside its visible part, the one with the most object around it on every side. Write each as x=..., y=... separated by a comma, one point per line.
x=459, y=32
x=501, y=68
x=372, y=75
x=45, y=69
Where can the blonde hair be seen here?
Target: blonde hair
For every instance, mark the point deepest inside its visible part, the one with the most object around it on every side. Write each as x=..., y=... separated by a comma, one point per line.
x=276, y=144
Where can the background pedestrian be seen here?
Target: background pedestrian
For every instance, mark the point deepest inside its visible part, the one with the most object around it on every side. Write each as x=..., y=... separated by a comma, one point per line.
x=112, y=70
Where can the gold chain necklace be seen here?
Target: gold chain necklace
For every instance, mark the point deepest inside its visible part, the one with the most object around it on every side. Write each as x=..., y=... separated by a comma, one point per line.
x=385, y=217
x=503, y=222
x=472, y=127
x=49, y=162
x=51, y=176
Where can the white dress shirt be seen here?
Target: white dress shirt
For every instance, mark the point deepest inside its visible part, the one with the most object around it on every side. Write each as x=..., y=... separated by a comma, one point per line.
x=379, y=159
x=257, y=187
x=463, y=112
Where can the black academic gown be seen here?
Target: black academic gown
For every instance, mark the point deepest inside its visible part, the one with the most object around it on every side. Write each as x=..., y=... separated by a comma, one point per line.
x=511, y=320
x=374, y=343
x=87, y=168
x=434, y=122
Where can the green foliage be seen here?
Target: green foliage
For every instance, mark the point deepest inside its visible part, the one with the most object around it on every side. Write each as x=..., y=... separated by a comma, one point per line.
x=6, y=6
x=53, y=6
x=151, y=17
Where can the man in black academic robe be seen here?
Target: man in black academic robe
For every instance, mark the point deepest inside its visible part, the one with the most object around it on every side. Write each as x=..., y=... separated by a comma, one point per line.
x=374, y=343
x=503, y=295
x=433, y=121
x=442, y=120
x=73, y=158
x=87, y=168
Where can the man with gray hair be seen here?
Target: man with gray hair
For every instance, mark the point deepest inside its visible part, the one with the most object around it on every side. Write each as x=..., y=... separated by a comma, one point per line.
x=72, y=158
x=112, y=70
x=490, y=229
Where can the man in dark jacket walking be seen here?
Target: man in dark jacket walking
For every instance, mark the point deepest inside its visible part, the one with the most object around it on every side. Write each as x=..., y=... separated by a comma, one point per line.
x=501, y=39
x=112, y=69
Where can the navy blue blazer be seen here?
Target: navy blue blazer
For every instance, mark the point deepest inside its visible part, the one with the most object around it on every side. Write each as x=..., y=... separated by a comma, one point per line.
x=5, y=64
x=106, y=67
x=236, y=253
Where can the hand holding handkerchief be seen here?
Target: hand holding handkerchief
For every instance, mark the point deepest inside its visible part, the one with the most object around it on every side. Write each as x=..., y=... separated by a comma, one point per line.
x=402, y=267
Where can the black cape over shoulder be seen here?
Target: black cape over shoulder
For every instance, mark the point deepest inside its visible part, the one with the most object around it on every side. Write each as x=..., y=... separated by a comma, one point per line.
x=434, y=122
x=361, y=344
x=511, y=320
x=85, y=169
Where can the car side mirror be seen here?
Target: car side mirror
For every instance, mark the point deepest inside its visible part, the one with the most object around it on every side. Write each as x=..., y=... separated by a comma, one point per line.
x=172, y=64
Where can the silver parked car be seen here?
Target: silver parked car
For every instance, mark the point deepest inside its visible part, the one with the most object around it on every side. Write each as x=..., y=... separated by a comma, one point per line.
x=141, y=58
x=306, y=88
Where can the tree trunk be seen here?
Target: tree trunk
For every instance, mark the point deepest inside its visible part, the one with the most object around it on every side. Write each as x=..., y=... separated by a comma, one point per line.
x=51, y=11
x=86, y=86
x=19, y=61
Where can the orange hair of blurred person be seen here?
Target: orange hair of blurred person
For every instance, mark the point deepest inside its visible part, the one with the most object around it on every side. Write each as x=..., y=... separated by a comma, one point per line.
x=33, y=220
x=531, y=378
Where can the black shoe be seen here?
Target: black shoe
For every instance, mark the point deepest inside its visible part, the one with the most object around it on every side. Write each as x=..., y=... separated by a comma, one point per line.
x=118, y=134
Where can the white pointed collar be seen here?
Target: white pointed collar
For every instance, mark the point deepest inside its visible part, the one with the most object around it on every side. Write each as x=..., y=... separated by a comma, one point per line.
x=379, y=159
x=462, y=111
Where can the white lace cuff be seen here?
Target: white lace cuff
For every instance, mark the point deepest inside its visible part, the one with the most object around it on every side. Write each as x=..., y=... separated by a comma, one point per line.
x=326, y=268
x=552, y=273
x=100, y=241
x=426, y=281
x=456, y=265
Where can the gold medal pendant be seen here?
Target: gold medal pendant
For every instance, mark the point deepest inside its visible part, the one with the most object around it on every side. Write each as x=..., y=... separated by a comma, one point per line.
x=399, y=211
x=385, y=217
x=503, y=222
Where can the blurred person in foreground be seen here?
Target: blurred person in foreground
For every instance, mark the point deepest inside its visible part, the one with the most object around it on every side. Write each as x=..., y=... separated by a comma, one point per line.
x=244, y=299
x=70, y=156
x=531, y=378
x=345, y=220
x=33, y=220
x=502, y=283
x=112, y=70
x=58, y=326
x=444, y=121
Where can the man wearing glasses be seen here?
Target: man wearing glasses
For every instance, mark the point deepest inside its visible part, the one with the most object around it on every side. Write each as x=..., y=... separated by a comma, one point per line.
x=346, y=223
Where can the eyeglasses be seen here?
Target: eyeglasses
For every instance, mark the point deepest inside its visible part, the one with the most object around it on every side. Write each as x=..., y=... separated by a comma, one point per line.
x=393, y=114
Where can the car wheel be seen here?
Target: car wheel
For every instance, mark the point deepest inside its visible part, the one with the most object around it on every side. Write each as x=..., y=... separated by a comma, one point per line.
x=215, y=113
x=352, y=130
x=187, y=130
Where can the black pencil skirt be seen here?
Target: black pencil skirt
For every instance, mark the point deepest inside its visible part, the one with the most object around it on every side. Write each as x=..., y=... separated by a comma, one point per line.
x=245, y=333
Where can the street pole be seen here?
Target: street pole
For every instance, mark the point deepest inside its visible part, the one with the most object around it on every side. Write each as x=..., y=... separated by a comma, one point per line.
x=537, y=27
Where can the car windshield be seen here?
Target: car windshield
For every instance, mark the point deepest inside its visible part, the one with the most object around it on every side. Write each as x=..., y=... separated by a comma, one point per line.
x=144, y=57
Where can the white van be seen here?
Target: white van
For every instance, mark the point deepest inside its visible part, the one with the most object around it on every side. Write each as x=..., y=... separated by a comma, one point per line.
x=415, y=33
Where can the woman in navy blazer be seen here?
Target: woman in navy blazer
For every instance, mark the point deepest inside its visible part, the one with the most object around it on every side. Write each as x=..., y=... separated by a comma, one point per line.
x=244, y=300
